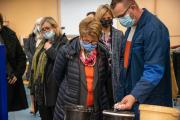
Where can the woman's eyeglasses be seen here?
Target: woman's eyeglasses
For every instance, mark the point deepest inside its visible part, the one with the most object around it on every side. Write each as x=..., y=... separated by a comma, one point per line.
x=45, y=29
x=87, y=42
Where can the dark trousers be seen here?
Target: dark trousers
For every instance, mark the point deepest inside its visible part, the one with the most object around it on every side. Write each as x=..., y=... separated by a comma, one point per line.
x=97, y=116
x=46, y=113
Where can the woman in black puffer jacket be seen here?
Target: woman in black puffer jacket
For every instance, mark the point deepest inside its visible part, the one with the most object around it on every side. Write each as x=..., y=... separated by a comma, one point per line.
x=81, y=70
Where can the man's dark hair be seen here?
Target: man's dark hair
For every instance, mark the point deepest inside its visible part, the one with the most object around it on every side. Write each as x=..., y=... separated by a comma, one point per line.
x=126, y=2
x=93, y=13
x=1, y=19
x=114, y=2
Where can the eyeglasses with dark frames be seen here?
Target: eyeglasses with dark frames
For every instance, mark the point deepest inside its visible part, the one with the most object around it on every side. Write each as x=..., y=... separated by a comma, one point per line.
x=122, y=15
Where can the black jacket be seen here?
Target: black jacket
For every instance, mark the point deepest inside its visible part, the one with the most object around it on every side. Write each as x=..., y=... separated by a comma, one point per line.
x=67, y=72
x=29, y=49
x=30, y=46
x=17, y=61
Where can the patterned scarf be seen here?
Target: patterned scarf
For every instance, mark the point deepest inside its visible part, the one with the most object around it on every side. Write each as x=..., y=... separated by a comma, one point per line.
x=88, y=59
x=39, y=62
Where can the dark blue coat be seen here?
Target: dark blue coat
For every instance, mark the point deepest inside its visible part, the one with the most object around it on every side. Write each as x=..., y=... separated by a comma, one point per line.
x=147, y=77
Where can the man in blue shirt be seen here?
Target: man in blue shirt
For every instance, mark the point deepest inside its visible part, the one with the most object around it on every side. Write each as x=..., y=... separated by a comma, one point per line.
x=145, y=73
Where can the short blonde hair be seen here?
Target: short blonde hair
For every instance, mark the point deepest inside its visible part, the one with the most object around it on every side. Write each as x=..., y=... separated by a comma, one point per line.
x=90, y=26
x=53, y=23
x=102, y=10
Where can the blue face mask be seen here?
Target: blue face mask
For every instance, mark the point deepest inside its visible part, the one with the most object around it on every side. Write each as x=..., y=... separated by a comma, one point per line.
x=49, y=35
x=126, y=21
x=87, y=46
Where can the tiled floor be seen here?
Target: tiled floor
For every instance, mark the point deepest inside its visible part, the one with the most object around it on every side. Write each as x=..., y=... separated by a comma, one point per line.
x=23, y=114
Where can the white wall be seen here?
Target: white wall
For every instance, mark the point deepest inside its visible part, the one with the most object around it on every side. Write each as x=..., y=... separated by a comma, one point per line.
x=73, y=11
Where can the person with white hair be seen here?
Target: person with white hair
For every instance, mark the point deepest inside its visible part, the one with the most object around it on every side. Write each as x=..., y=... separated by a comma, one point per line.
x=30, y=46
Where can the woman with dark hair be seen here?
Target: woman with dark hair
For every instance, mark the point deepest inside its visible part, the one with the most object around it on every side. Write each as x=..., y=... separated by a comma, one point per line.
x=91, y=14
x=16, y=64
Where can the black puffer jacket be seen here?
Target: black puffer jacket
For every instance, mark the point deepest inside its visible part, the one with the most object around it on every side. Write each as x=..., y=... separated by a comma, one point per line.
x=67, y=72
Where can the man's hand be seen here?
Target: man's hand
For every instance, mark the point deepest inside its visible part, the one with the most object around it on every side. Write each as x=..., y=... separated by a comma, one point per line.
x=12, y=80
x=126, y=103
x=47, y=45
